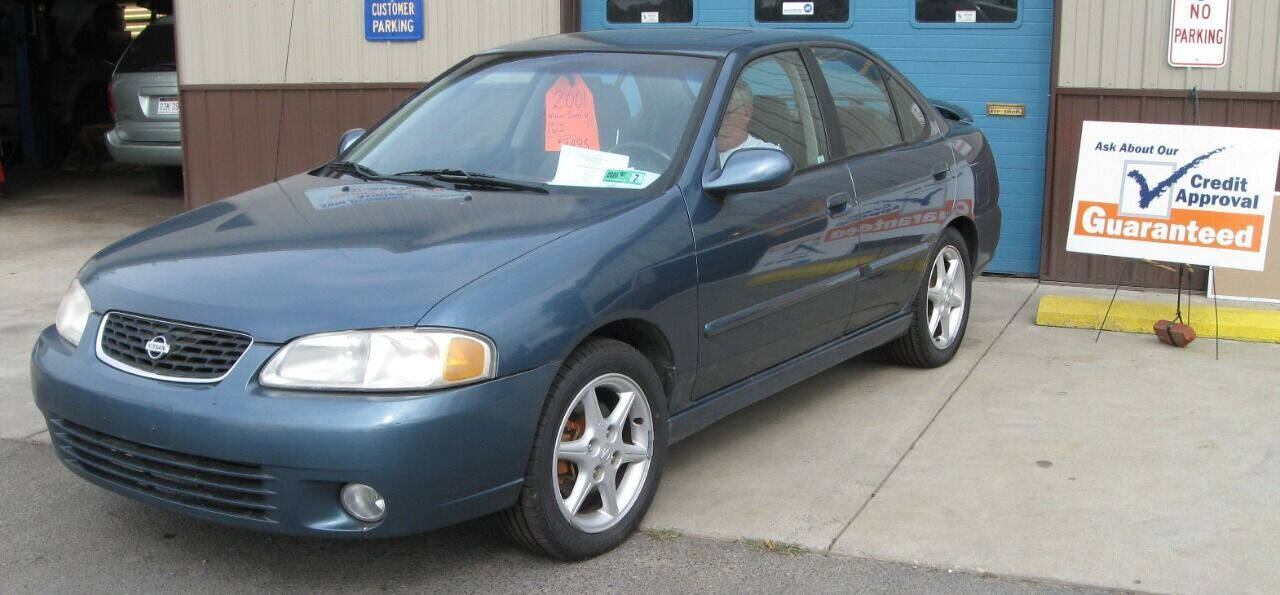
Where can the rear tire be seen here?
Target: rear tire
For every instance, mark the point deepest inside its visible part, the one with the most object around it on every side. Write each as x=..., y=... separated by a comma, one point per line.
x=941, y=307
x=168, y=177
x=592, y=476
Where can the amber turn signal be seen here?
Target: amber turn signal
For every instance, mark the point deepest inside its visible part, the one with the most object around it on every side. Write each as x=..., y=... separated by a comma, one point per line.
x=465, y=359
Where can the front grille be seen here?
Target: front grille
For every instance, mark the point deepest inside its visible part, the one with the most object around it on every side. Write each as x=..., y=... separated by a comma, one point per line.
x=195, y=354
x=189, y=480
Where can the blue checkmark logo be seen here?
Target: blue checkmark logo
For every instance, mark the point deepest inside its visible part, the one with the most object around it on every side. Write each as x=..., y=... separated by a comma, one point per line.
x=1146, y=194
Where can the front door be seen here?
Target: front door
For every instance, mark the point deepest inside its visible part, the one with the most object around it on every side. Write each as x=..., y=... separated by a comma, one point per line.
x=772, y=284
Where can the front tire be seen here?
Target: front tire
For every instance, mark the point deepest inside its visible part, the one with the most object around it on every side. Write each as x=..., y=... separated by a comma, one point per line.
x=941, y=307
x=597, y=455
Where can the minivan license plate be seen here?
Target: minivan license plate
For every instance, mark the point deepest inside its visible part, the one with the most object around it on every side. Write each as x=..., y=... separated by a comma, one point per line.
x=167, y=107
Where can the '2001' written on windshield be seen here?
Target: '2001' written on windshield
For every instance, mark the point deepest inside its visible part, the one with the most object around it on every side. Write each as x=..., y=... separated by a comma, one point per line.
x=571, y=115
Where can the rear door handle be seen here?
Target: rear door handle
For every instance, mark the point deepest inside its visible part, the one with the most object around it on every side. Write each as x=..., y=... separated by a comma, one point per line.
x=838, y=202
x=940, y=171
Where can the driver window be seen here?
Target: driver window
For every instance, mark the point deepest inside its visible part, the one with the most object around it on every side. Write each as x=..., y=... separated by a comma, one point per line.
x=773, y=105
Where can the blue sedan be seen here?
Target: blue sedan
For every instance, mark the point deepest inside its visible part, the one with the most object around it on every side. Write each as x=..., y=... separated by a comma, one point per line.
x=513, y=293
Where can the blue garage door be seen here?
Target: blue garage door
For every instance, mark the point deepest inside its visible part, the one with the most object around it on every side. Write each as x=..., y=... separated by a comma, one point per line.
x=1002, y=56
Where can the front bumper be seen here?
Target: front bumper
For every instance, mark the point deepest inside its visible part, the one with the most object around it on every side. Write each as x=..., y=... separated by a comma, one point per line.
x=437, y=458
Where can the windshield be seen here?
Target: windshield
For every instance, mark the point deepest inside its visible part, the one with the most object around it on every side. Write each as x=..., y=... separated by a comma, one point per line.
x=600, y=120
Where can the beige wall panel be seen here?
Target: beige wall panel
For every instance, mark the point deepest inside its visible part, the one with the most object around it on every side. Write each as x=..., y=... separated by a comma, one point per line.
x=225, y=42
x=1124, y=44
x=232, y=41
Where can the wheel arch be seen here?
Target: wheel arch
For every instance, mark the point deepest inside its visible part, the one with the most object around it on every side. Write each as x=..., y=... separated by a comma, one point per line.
x=969, y=231
x=647, y=338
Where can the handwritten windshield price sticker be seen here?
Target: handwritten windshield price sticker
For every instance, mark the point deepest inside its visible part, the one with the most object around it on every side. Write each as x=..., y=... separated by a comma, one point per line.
x=624, y=176
x=571, y=115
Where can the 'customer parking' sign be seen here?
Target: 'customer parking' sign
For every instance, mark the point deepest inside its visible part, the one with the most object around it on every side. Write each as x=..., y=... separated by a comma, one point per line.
x=393, y=20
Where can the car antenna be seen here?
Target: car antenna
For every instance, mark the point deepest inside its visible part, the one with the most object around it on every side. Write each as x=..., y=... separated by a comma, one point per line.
x=284, y=80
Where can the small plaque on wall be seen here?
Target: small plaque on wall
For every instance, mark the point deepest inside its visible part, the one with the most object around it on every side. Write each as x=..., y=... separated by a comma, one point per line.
x=1007, y=110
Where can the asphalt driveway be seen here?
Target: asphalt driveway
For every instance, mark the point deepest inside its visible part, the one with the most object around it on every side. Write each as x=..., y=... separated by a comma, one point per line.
x=65, y=536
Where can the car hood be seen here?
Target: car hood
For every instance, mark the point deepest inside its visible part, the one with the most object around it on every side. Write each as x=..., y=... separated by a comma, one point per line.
x=312, y=254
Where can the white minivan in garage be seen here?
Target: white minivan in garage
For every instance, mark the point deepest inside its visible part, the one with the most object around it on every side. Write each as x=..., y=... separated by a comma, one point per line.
x=144, y=104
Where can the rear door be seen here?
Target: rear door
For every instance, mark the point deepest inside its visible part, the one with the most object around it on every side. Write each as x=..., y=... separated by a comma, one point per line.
x=145, y=88
x=902, y=171
x=773, y=284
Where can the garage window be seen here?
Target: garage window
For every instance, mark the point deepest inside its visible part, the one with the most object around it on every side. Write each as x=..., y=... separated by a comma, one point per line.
x=649, y=11
x=788, y=11
x=966, y=11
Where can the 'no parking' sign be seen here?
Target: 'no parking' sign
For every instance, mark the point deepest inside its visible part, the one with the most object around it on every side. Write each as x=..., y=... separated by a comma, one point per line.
x=1198, y=32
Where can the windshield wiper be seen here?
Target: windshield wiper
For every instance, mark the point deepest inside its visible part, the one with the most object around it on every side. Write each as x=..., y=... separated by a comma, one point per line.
x=367, y=174
x=476, y=179
x=360, y=171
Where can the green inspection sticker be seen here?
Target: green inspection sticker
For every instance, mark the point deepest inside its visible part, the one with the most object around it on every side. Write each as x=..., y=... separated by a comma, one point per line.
x=624, y=176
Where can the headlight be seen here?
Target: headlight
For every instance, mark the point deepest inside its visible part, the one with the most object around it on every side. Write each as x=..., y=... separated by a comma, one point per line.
x=382, y=360
x=73, y=313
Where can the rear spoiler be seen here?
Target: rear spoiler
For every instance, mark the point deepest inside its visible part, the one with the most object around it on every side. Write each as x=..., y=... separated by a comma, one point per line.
x=952, y=111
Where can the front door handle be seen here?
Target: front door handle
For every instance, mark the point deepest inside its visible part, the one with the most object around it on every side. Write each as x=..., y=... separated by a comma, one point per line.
x=837, y=203
x=940, y=171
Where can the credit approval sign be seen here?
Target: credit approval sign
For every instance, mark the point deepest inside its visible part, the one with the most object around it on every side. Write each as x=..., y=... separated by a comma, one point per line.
x=1198, y=33
x=1191, y=194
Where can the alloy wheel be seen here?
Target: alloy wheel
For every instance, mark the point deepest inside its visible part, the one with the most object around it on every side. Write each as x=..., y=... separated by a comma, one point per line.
x=946, y=295
x=603, y=454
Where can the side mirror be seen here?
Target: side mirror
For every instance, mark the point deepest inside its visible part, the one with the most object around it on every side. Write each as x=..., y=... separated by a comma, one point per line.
x=349, y=138
x=752, y=170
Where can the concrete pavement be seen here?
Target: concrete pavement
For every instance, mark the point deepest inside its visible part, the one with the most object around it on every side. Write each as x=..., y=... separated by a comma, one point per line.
x=1036, y=453
x=1119, y=463
x=798, y=466
x=48, y=228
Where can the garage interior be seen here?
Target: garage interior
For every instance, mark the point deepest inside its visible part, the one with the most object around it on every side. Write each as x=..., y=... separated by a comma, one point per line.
x=56, y=62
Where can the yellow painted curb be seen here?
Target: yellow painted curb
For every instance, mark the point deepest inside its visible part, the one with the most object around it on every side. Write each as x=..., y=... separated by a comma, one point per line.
x=1240, y=324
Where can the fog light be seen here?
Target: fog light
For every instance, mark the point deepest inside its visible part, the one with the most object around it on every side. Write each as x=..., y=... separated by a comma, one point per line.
x=363, y=502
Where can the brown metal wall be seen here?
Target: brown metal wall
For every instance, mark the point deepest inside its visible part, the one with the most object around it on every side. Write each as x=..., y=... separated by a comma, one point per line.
x=236, y=137
x=570, y=16
x=1071, y=108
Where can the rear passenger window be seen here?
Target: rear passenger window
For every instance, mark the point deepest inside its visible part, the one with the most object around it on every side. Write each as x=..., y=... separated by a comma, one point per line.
x=866, y=115
x=649, y=11
x=915, y=125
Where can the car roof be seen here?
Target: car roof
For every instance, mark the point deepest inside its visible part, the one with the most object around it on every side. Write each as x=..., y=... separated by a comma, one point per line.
x=684, y=40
